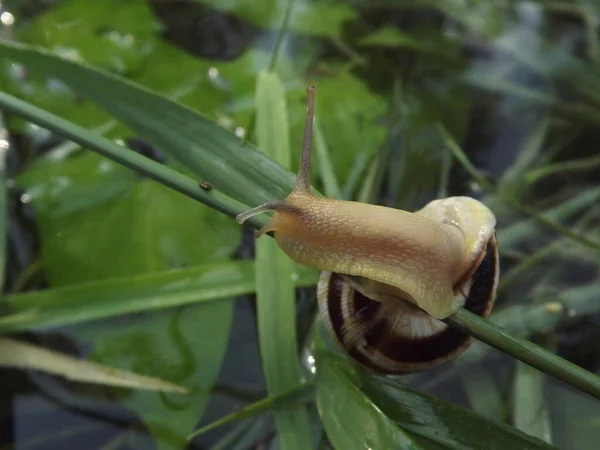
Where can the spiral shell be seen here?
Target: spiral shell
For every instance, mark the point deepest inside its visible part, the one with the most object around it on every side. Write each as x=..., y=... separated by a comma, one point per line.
x=399, y=337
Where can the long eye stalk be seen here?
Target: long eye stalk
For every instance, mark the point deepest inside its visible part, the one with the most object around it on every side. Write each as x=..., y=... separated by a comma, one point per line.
x=303, y=179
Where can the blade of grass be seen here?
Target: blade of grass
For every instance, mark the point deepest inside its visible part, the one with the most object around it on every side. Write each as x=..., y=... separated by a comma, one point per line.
x=297, y=395
x=509, y=200
x=235, y=168
x=559, y=251
x=526, y=351
x=525, y=230
x=275, y=290
x=574, y=165
x=328, y=177
x=511, y=182
x=484, y=395
x=355, y=176
x=62, y=306
x=249, y=438
x=22, y=355
x=133, y=160
x=234, y=435
x=529, y=406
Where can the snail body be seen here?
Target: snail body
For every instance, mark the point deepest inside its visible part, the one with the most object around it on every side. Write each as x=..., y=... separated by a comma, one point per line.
x=389, y=276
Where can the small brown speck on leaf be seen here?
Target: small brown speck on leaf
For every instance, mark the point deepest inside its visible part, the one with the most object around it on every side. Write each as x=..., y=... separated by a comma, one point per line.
x=206, y=185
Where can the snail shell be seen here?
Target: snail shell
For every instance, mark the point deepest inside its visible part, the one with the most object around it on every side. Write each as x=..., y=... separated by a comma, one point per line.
x=396, y=338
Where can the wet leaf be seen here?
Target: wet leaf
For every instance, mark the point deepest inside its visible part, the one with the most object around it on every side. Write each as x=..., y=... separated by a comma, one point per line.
x=98, y=220
x=350, y=419
x=444, y=423
x=425, y=40
x=391, y=37
x=113, y=35
x=315, y=17
x=187, y=137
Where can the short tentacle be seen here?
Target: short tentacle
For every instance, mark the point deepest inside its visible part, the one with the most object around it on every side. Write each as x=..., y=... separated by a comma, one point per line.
x=265, y=207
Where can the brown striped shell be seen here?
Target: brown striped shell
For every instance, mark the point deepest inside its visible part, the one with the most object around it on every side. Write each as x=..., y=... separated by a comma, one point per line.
x=399, y=337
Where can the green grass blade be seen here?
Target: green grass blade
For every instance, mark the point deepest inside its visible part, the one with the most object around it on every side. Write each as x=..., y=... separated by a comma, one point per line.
x=158, y=172
x=330, y=182
x=510, y=200
x=275, y=290
x=295, y=396
x=526, y=351
x=23, y=355
x=484, y=395
x=530, y=413
x=574, y=165
x=63, y=306
x=212, y=153
x=523, y=231
x=511, y=182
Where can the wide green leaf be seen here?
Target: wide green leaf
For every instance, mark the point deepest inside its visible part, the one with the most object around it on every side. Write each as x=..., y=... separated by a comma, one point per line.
x=90, y=210
x=185, y=346
x=350, y=418
x=441, y=422
x=317, y=17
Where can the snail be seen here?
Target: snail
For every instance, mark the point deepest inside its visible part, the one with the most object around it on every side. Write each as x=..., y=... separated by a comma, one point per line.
x=388, y=277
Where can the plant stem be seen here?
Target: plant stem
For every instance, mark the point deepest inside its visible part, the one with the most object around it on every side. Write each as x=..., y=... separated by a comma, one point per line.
x=128, y=158
x=525, y=351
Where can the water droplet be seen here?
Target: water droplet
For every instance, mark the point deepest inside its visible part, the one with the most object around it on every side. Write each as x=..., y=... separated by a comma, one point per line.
x=7, y=18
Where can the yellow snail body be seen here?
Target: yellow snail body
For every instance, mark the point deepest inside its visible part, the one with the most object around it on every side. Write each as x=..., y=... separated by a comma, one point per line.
x=389, y=276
